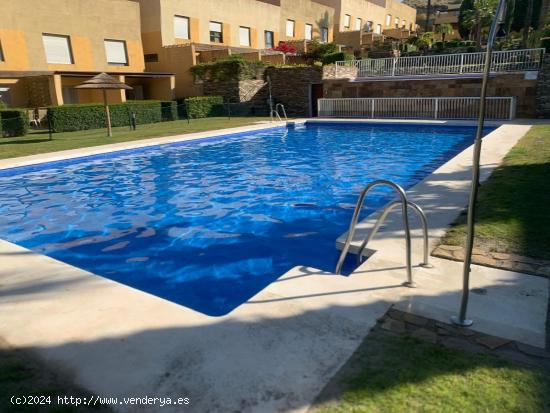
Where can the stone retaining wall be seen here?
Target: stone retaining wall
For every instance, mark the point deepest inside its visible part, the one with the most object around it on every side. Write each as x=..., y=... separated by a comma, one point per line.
x=291, y=87
x=512, y=84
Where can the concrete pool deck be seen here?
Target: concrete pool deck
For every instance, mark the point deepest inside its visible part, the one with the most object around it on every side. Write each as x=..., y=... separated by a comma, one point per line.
x=278, y=350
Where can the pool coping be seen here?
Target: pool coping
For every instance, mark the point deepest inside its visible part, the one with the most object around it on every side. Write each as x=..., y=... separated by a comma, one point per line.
x=280, y=347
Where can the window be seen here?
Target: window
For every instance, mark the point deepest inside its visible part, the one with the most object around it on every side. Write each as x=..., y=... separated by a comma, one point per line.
x=116, y=52
x=396, y=22
x=388, y=19
x=216, y=35
x=368, y=27
x=378, y=29
x=151, y=58
x=347, y=20
x=324, y=34
x=403, y=23
x=58, y=49
x=290, y=28
x=181, y=27
x=1, y=54
x=358, y=24
x=269, y=40
x=244, y=36
x=309, y=32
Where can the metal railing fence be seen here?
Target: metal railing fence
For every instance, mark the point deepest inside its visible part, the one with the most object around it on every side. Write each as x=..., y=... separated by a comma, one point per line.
x=498, y=108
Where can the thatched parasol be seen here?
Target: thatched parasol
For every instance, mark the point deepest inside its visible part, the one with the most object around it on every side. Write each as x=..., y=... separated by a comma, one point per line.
x=104, y=82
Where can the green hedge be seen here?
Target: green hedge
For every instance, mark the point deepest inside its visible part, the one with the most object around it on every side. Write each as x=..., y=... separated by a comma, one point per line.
x=14, y=122
x=545, y=43
x=232, y=68
x=92, y=116
x=201, y=107
x=332, y=58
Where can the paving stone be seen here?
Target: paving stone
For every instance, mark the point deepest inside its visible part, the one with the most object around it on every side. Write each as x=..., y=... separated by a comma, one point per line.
x=416, y=320
x=544, y=271
x=533, y=351
x=459, y=255
x=425, y=335
x=438, y=252
x=450, y=247
x=395, y=314
x=466, y=332
x=492, y=342
x=479, y=251
x=394, y=326
x=523, y=260
x=484, y=260
x=500, y=256
x=460, y=343
x=524, y=268
x=443, y=332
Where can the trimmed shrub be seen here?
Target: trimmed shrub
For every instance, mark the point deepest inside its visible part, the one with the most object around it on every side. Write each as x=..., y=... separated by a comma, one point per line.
x=232, y=68
x=14, y=122
x=332, y=58
x=68, y=118
x=201, y=107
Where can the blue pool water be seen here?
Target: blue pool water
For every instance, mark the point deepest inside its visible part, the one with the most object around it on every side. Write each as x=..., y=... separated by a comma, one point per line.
x=208, y=224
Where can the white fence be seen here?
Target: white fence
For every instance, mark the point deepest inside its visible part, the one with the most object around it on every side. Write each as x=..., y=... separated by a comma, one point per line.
x=503, y=61
x=497, y=108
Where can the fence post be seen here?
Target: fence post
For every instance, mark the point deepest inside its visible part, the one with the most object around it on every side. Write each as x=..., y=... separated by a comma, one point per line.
x=393, y=66
x=436, y=114
x=372, y=108
x=49, y=126
x=512, y=108
x=461, y=63
x=336, y=70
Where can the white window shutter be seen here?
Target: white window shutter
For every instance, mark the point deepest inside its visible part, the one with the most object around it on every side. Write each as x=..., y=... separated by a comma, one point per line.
x=290, y=28
x=244, y=36
x=181, y=27
x=116, y=52
x=309, y=32
x=215, y=27
x=58, y=49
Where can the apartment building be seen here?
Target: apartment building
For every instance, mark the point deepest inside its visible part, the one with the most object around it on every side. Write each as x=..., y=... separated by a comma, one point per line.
x=178, y=34
x=50, y=46
x=360, y=22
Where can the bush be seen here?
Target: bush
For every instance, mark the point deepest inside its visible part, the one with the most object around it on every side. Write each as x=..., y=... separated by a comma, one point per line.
x=200, y=107
x=332, y=58
x=14, y=122
x=545, y=43
x=92, y=116
x=232, y=68
x=317, y=51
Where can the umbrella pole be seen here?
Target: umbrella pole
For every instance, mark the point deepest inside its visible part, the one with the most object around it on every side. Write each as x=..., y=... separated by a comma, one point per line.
x=107, y=115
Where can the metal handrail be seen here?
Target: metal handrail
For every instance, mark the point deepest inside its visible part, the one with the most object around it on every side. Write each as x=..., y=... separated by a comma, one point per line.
x=390, y=207
x=274, y=112
x=283, y=109
x=404, y=207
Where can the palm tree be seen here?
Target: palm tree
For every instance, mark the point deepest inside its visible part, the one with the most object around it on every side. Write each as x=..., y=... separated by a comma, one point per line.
x=479, y=17
x=444, y=29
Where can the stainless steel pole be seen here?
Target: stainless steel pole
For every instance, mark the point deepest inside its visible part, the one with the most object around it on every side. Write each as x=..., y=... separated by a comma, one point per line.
x=461, y=318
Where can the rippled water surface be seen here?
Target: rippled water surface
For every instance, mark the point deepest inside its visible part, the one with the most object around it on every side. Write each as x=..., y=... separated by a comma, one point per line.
x=209, y=224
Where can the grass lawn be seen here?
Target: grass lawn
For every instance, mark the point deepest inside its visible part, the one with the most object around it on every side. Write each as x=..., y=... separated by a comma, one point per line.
x=38, y=141
x=514, y=204
x=398, y=374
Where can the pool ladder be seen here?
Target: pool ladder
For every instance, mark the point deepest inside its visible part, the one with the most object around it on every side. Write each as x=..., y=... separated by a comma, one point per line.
x=276, y=114
x=405, y=205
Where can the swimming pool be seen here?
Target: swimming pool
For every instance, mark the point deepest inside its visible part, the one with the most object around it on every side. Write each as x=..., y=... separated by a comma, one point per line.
x=209, y=223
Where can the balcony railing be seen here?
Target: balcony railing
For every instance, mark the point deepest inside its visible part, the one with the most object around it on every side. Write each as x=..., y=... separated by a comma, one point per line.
x=497, y=108
x=464, y=63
